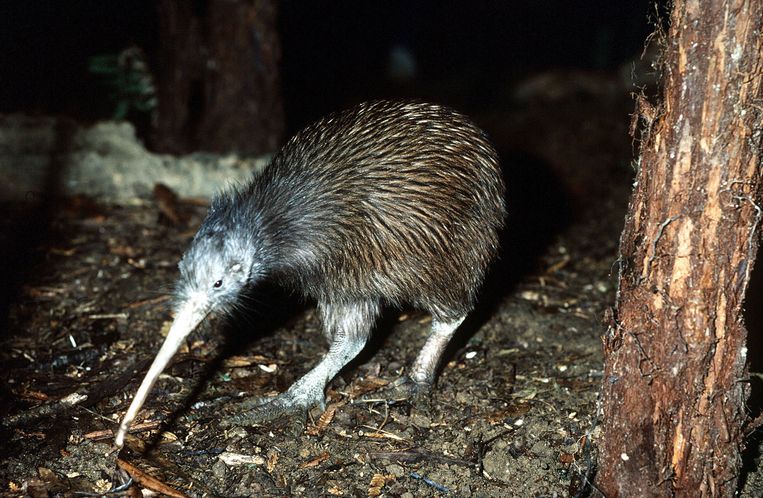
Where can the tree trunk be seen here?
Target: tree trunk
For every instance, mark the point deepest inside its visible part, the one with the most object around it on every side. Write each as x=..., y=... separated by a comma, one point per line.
x=218, y=84
x=675, y=358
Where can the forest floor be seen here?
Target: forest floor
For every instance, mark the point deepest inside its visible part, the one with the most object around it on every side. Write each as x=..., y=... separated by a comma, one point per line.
x=514, y=412
x=87, y=301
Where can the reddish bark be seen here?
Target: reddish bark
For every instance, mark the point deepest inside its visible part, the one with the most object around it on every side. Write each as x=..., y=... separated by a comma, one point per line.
x=675, y=367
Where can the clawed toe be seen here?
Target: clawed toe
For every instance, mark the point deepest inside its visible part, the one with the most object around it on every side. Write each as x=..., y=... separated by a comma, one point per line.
x=252, y=411
x=258, y=410
x=404, y=389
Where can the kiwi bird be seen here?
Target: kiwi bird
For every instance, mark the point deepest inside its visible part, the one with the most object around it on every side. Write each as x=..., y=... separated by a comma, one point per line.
x=386, y=203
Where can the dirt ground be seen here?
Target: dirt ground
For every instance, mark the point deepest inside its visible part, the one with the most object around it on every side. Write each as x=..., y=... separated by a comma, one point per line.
x=514, y=413
x=511, y=415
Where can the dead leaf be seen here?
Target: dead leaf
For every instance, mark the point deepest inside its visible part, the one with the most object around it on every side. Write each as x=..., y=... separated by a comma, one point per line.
x=36, y=395
x=272, y=462
x=316, y=461
x=366, y=385
x=377, y=483
x=323, y=421
x=167, y=202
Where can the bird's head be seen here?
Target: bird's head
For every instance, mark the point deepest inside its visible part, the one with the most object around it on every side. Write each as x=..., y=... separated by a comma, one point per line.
x=215, y=270
x=219, y=264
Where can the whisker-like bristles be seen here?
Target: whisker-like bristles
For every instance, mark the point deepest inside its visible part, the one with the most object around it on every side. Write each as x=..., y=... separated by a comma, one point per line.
x=163, y=290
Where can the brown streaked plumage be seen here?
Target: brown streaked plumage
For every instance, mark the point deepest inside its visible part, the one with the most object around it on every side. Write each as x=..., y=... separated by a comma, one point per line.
x=387, y=202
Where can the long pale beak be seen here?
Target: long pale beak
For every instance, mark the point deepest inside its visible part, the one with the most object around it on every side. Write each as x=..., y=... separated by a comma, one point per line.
x=188, y=318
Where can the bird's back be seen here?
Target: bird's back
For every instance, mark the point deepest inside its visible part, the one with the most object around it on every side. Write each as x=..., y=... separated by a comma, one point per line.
x=400, y=201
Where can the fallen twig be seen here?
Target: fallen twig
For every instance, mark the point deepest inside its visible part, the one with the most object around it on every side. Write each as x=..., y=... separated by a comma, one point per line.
x=54, y=408
x=149, y=482
x=109, y=433
x=147, y=302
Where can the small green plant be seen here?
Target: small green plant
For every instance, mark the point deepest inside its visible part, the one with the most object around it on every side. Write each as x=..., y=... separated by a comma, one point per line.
x=129, y=80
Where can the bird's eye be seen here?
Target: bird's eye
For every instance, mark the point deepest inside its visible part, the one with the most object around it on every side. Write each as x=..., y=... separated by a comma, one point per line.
x=218, y=284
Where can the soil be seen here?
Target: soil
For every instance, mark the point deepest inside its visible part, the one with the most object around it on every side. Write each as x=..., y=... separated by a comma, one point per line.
x=514, y=412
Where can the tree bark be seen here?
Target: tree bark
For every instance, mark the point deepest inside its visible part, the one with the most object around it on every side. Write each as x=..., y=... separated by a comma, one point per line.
x=218, y=84
x=675, y=371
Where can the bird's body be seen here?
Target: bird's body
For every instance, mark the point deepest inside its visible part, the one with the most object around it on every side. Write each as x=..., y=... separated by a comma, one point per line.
x=387, y=202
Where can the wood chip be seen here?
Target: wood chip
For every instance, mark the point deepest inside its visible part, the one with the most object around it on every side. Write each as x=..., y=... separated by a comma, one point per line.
x=234, y=459
x=247, y=361
x=559, y=264
x=381, y=434
x=335, y=491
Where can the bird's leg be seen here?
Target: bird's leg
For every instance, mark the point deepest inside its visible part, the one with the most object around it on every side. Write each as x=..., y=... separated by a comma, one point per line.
x=349, y=325
x=423, y=371
x=418, y=383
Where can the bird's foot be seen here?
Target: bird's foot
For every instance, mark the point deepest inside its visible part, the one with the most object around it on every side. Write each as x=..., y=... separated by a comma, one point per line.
x=252, y=411
x=403, y=390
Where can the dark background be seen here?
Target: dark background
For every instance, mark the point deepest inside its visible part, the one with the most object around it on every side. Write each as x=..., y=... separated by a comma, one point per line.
x=334, y=52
